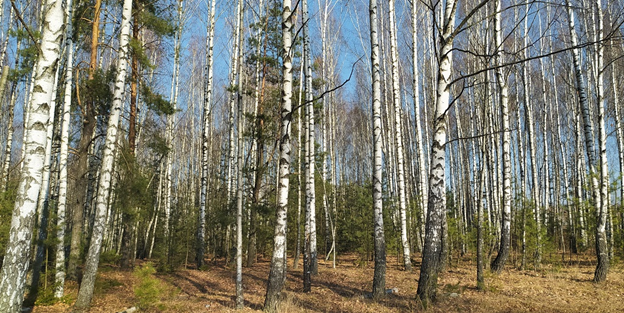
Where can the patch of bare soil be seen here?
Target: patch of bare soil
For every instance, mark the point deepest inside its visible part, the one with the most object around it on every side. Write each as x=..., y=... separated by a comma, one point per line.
x=343, y=289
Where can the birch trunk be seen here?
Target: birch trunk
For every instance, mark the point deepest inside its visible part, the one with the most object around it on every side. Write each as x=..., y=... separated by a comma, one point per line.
x=528, y=111
x=17, y=255
x=602, y=268
x=207, y=115
x=427, y=284
x=85, y=292
x=62, y=200
x=379, y=276
x=277, y=276
x=312, y=260
x=300, y=182
x=619, y=130
x=597, y=190
x=396, y=92
x=422, y=171
x=503, y=252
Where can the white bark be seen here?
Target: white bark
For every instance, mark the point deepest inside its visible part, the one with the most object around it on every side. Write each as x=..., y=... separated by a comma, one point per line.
x=62, y=199
x=528, y=111
x=619, y=130
x=206, y=116
x=239, y=167
x=398, y=137
x=104, y=184
x=602, y=204
x=15, y=264
x=277, y=276
x=501, y=80
x=432, y=251
x=310, y=149
x=379, y=276
x=171, y=121
x=422, y=171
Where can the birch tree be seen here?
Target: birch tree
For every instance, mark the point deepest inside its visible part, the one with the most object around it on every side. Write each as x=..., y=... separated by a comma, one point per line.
x=206, y=116
x=379, y=275
x=310, y=223
x=581, y=88
x=277, y=275
x=85, y=293
x=62, y=200
x=16, y=258
x=398, y=137
x=503, y=252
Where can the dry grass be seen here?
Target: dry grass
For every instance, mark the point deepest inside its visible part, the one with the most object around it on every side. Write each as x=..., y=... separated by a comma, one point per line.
x=552, y=289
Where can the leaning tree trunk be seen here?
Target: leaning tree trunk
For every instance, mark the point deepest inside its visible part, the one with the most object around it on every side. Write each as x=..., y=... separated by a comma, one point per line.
x=427, y=284
x=85, y=294
x=398, y=137
x=503, y=253
x=17, y=256
x=277, y=276
x=379, y=276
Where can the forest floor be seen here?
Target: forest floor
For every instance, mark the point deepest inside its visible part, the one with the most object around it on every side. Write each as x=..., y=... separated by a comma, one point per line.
x=564, y=287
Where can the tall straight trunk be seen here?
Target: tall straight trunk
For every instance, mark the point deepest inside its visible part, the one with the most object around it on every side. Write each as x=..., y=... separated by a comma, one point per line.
x=128, y=220
x=601, y=242
x=398, y=137
x=619, y=131
x=4, y=180
x=134, y=82
x=325, y=120
x=310, y=228
x=420, y=149
x=432, y=252
x=258, y=141
x=85, y=294
x=379, y=275
x=277, y=275
x=503, y=252
x=240, y=302
x=602, y=267
x=43, y=201
x=579, y=181
x=480, y=265
x=171, y=121
x=64, y=153
x=300, y=170
x=17, y=255
x=80, y=183
x=528, y=111
x=521, y=170
x=206, y=116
